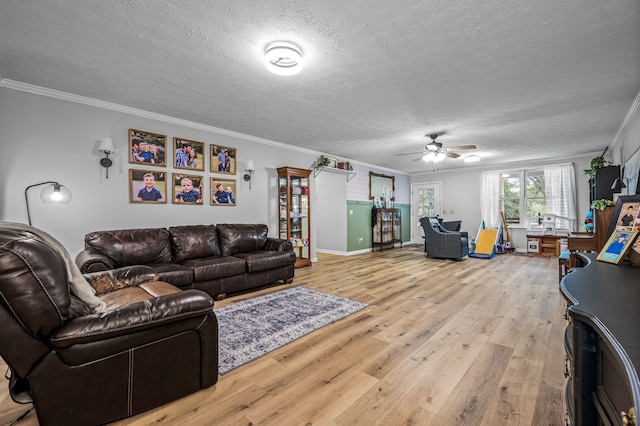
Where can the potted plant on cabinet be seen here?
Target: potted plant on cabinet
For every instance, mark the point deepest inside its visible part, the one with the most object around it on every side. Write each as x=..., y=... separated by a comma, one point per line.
x=596, y=164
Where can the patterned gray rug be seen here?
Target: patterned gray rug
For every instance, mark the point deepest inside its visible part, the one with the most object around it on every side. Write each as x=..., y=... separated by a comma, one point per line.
x=251, y=328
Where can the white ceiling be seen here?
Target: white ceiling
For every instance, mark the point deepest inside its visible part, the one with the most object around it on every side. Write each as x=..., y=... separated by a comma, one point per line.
x=520, y=79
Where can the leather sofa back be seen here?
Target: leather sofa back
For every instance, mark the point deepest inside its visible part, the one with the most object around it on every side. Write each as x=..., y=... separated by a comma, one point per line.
x=37, y=288
x=128, y=247
x=35, y=297
x=241, y=238
x=194, y=242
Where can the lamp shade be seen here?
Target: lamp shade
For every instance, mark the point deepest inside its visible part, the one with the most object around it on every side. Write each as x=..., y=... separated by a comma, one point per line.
x=55, y=194
x=107, y=146
x=618, y=184
x=249, y=166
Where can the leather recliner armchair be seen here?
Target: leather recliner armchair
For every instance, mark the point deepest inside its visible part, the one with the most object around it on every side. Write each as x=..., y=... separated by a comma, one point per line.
x=441, y=243
x=152, y=344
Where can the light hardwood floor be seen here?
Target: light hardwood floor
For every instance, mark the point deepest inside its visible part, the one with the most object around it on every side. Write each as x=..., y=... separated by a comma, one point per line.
x=476, y=342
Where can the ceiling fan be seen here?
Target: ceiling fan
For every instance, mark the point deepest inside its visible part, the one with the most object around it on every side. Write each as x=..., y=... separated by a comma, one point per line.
x=435, y=152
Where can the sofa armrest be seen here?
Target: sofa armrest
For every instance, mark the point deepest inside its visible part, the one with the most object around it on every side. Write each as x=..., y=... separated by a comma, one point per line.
x=277, y=244
x=91, y=261
x=157, y=312
x=115, y=279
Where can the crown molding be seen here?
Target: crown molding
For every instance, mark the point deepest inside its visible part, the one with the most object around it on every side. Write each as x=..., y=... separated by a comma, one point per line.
x=627, y=119
x=43, y=91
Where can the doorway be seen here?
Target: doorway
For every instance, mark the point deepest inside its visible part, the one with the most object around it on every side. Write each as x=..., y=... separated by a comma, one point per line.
x=426, y=200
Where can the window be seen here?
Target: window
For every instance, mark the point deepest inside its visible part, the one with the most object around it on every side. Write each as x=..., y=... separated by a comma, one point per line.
x=522, y=203
x=524, y=194
x=535, y=196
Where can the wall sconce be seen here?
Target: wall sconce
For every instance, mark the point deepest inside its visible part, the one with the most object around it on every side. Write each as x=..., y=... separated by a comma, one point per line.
x=54, y=193
x=248, y=169
x=618, y=184
x=107, y=147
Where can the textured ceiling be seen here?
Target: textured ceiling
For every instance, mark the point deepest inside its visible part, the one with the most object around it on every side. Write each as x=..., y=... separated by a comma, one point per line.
x=520, y=79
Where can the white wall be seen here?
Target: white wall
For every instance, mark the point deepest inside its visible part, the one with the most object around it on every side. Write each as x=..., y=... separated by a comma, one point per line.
x=44, y=138
x=331, y=201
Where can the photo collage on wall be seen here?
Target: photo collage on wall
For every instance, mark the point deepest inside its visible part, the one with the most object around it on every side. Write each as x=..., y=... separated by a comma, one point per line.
x=185, y=185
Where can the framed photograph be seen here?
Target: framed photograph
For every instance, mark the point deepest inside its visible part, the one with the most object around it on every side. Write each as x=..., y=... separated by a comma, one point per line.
x=189, y=154
x=147, y=148
x=625, y=214
x=223, y=192
x=223, y=159
x=333, y=162
x=187, y=189
x=617, y=246
x=147, y=186
x=631, y=172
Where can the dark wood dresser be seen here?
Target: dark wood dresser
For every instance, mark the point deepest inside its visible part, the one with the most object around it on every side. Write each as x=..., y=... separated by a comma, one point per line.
x=602, y=342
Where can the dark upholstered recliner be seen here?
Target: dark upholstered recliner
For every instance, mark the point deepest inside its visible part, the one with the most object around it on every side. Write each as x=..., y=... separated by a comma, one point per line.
x=441, y=243
x=149, y=344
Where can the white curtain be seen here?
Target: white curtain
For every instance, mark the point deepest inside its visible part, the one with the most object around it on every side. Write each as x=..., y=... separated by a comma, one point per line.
x=490, y=199
x=560, y=187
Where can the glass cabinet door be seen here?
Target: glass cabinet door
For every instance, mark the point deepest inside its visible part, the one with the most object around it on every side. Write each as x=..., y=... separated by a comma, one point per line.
x=293, y=199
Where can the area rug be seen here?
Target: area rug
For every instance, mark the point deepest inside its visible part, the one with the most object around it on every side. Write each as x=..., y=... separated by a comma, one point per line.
x=251, y=328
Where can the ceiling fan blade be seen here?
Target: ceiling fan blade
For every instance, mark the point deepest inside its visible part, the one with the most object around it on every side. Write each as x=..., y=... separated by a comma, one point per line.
x=412, y=153
x=462, y=147
x=451, y=154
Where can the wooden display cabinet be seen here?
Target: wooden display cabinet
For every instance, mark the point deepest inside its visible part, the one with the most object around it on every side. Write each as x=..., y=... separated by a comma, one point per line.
x=294, y=211
x=387, y=229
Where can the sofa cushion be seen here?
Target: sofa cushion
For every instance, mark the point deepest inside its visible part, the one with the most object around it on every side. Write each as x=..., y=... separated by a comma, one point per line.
x=263, y=260
x=241, y=238
x=173, y=274
x=215, y=267
x=194, y=242
x=132, y=246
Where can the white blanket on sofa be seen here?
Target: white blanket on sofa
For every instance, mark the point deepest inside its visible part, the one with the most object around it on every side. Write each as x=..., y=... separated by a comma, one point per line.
x=79, y=287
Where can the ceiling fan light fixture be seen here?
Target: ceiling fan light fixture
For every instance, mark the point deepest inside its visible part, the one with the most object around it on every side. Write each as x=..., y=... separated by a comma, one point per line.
x=283, y=58
x=429, y=156
x=434, y=157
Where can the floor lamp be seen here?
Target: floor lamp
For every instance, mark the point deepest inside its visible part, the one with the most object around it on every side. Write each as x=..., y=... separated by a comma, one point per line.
x=53, y=193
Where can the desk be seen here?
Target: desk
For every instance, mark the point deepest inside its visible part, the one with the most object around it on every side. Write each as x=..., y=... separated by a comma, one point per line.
x=546, y=244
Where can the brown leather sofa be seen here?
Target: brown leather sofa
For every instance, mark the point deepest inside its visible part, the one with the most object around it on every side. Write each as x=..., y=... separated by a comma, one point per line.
x=150, y=345
x=219, y=259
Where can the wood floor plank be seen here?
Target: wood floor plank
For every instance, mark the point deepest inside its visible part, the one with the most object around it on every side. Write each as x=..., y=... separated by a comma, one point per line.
x=469, y=342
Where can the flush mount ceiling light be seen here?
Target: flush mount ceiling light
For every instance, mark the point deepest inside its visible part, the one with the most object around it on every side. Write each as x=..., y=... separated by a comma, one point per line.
x=283, y=58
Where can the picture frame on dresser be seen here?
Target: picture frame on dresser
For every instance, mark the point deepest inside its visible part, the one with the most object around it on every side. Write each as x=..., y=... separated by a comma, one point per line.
x=617, y=246
x=621, y=209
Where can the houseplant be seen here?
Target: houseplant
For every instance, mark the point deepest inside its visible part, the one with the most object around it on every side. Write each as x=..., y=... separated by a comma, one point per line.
x=596, y=163
x=601, y=204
